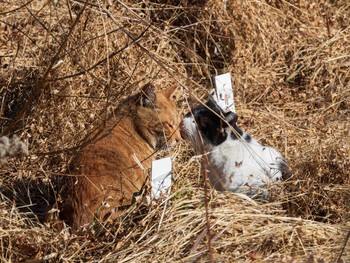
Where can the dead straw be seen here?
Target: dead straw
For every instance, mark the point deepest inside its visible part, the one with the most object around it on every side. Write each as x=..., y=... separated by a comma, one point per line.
x=291, y=73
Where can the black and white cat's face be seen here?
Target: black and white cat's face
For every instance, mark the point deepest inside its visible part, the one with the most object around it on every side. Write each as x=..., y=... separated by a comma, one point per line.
x=236, y=162
x=208, y=125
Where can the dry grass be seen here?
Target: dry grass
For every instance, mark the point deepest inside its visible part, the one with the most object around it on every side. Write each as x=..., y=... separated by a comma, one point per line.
x=64, y=66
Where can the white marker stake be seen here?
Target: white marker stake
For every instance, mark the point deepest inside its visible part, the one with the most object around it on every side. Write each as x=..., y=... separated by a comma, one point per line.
x=223, y=95
x=161, y=177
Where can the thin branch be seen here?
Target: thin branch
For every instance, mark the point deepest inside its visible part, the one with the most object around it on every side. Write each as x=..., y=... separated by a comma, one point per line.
x=16, y=9
x=206, y=204
x=344, y=246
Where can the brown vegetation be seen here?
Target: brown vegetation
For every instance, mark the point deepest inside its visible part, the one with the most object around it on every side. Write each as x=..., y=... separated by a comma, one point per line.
x=66, y=65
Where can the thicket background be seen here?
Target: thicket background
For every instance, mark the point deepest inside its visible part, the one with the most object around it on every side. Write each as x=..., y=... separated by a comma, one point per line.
x=65, y=65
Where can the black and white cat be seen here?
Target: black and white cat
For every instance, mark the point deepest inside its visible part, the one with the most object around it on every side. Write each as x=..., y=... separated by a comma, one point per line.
x=236, y=162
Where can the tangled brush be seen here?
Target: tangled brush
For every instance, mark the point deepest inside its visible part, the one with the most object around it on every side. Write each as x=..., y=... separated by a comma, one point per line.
x=66, y=65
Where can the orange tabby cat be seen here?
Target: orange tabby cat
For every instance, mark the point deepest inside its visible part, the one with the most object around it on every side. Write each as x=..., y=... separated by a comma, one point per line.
x=108, y=171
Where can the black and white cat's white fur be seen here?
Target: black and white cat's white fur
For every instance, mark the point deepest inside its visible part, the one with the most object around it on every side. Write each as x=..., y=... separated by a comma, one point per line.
x=236, y=162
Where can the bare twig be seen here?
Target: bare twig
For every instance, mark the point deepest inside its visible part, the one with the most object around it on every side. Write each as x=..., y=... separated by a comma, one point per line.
x=343, y=248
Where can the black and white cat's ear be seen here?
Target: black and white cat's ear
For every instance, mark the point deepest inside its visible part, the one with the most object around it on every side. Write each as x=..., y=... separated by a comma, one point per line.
x=231, y=118
x=148, y=95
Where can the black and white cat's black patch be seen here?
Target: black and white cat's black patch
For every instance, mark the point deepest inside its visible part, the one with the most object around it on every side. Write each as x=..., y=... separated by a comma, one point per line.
x=236, y=161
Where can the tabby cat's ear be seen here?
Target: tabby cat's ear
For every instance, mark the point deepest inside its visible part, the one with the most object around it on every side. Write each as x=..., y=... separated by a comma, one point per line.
x=169, y=91
x=148, y=95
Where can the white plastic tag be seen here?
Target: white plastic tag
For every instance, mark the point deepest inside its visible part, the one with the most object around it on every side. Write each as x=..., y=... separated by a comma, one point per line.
x=223, y=95
x=161, y=177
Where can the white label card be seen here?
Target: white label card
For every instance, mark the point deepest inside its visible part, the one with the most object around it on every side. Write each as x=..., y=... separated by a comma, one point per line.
x=223, y=95
x=161, y=177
